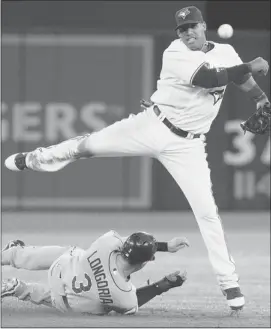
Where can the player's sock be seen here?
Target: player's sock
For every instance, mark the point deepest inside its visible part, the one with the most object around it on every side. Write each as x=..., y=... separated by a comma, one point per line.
x=55, y=157
x=146, y=293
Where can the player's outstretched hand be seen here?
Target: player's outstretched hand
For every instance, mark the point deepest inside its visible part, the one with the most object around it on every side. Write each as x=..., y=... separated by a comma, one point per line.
x=263, y=103
x=259, y=66
x=173, y=277
x=177, y=243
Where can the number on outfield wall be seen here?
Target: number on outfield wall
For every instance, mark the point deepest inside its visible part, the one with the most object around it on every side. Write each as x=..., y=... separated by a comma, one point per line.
x=247, y=186
x=245, y=148
x=241, y=142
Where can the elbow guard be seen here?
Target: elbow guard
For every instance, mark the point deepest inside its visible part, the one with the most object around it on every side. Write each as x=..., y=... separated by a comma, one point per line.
x=162, y=246
x=218, y=77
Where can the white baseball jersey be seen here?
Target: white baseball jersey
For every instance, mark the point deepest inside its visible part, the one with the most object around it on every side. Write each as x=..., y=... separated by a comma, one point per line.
x=91, y=281
x=189, y=107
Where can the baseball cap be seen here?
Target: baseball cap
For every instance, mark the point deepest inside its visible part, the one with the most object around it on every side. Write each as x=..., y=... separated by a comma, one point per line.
x=188, y=15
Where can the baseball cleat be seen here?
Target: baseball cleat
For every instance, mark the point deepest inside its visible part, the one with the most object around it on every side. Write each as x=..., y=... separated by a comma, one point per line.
x=14, y=243
x=9, y=286
x=235, y=298
x=16, y=162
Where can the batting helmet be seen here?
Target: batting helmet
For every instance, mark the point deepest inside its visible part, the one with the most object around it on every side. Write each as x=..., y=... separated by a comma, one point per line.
x=139, y=247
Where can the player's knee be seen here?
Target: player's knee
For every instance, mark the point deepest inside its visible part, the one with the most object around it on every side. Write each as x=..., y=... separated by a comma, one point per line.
x=210, y=215
x=210, y=218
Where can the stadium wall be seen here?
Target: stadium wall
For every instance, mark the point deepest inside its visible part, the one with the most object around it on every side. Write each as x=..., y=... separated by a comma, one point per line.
x=58, y=81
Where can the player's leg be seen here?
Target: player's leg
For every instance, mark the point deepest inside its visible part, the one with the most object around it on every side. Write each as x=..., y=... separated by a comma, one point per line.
x=188, y=165
x=132, y=136
x=31, y=257
x=36, y=293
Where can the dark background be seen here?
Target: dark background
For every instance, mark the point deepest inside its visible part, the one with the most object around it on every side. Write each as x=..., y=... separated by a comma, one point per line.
x=128, y=16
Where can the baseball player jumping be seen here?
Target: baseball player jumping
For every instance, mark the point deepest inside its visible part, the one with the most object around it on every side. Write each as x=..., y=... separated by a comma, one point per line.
x=171, y=128
x=93, y=281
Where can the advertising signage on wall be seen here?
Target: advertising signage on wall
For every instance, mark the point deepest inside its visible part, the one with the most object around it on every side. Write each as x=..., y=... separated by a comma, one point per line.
x=55, y=87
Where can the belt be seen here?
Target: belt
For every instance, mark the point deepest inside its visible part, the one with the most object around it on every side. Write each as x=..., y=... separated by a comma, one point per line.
x=174, y=129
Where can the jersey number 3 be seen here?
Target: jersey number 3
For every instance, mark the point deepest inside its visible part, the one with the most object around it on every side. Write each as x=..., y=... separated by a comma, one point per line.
x=81, y=285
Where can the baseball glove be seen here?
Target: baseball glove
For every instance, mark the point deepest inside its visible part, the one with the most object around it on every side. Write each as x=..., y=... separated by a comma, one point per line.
x=259, y=122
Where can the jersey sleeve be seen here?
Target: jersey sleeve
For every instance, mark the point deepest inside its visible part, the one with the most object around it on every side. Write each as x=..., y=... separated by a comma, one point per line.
x=182, y=65
x=233, y=57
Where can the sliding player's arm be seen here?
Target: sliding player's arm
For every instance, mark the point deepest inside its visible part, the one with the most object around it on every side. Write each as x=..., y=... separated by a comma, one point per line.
x=173, y=245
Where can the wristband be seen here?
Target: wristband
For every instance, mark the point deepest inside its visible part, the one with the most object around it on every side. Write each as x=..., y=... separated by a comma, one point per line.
x=256, y=93
x=162, y=246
